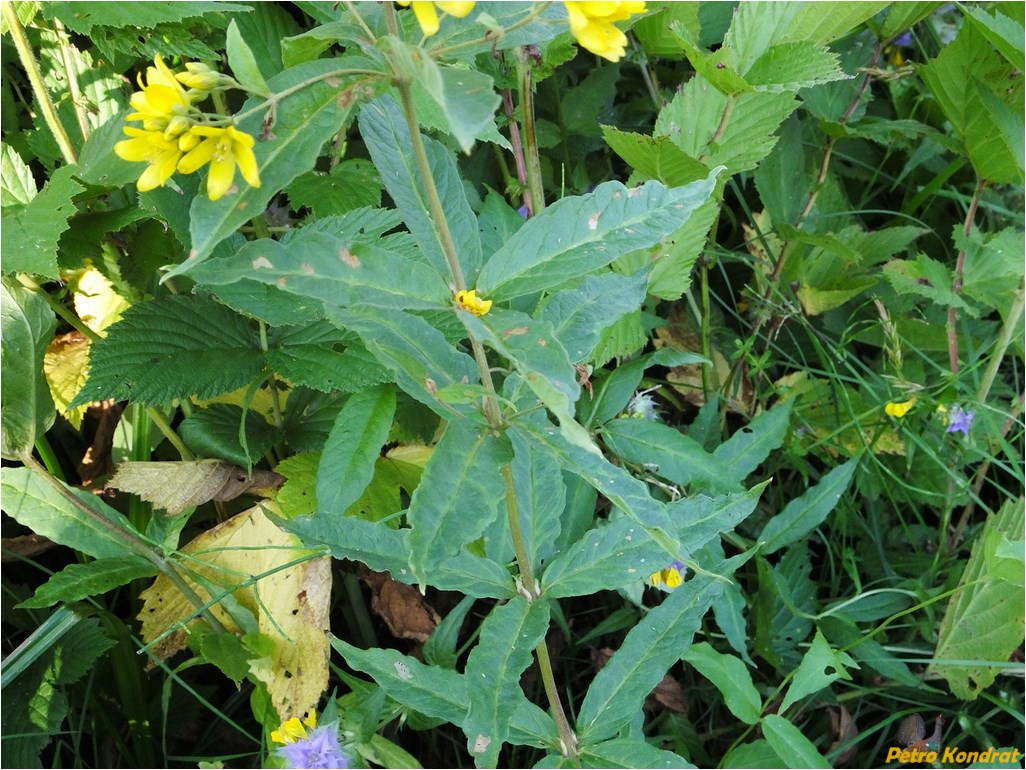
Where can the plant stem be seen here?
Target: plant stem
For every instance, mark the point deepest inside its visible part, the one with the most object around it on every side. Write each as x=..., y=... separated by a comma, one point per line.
x=518, y=147
x=1004, y=340
x=72, y=75
x=533, y=161
x=956, y=283
x=28, y=61
x=569, y=740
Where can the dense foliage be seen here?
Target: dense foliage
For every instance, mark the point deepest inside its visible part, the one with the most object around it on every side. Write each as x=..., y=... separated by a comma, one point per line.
x=585, y=384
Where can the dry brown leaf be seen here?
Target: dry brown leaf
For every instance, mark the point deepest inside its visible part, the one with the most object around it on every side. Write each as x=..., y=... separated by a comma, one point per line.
x=97, y=460
x=290, y=605
x=175, y=486
x=23, y=546
x=844, y=729
x=404, y=610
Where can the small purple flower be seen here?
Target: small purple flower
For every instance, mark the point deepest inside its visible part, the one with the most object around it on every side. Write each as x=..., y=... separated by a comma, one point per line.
x=321, y=750
x=524, y=211
x=960, y=421
x=903, y=40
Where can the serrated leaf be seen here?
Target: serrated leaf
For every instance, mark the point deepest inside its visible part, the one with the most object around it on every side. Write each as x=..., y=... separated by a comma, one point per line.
x=305, y=120
x=31, y=234
x=39, y=506
x=78, y=581
x=715, y=67
x=671, y=274
x=26, y=407
x=17, y=186
x=803, y=514
x=504, y=651
x=700, y=518
x=306, y=356
x=355, y=441
x=649, y=649
x=993, y=270
x=731, y=677
x=820, y=666
x=578, y=235
x=826, y=23
x=176, y=486
x=461, y=476
x=351, y=185
x=790, y=745
x=384, y=129
x=224, y=431
x=624, y=337
x=243, y=63
x=754, y=28
x=421, y=359
x=82, y=19
x=1005, y=34
x=669, y=453
x=264, y=28
x=984, y=621
x=901, y=16
x=172, y=348
x=925, y=277
x=748, y=447
x=655, y=156
x=579, y=315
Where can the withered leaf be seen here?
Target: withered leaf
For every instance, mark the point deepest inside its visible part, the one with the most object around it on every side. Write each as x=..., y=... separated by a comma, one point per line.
x=402, y=607
x=175, y=486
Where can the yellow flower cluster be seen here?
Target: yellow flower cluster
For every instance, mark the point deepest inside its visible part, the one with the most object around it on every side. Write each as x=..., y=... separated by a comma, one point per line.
x=899, y=409
x=294, y=730
x=174, y=135
x=590, y=22
x=469, y=301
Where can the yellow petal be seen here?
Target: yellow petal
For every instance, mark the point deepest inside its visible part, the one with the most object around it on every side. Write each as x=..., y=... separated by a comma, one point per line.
x=240, y=137
x=220, y=178
x=134, y=150
x=200, y=154
x=900, y=409
x=427, y=16
x=247, y=165
x=455, y=8
x=673, y=578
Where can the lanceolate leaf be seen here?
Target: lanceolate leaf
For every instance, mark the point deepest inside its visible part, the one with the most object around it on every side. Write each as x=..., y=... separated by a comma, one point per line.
x=77, y=581
x=650, y=648
x=805, y=513
x=457, y=496
x=820, y=666
x=746, y=449
x=355, y=441
x=384, y=130
x=508, y=637
x=791, y=745
x=173, y=348
x=305, y=120
x=630, y=752
x=578, y=235
x=731, y=677
x=541, y=496
x=26, y=406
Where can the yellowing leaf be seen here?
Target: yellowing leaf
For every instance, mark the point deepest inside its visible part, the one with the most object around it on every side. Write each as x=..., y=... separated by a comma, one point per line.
x=175, y=486
x=96, y=302
x=66, y=366
x=287, y=607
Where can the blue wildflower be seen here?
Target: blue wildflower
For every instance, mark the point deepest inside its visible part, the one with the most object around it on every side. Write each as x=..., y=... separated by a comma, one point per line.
x=960, y=420
x=317, y=747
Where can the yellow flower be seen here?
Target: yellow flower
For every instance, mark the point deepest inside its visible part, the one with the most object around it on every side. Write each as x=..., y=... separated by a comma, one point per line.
x=427, y=16
x=156, y=149
x=468, y=300
x=293, y=730
x=900, y=408
x=161, y=98
x=592, y=24
x=671, y=577
x=223, y=148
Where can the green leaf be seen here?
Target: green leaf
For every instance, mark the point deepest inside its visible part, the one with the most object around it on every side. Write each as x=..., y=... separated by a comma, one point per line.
x=826, y=23
x=700, y=519
x=504, y=651
x=1005, y=34
x=820, y=666
x=781, y=179
x=417, y=353
x=629, y=752
x=437, y=692
x=77, y=581
x=669, y=453
x=441, y=647
x=620, y=488
x=374, y=543
x=901, y=16
x=332, y=270
x=803, y=514
x=297, y=49
x=305, y=120
x=306, y=356
x=671, y=275
x=993, y=270
x=731, y=677
x=352, y=184
x=31, y=501
x=655, y=156
x=82, y=19
x=757, y=754
x=26, y=407
x=617, y=692
x=623, y=338
x=754, y=28
x=172, y=348
x=214, y=432
x=30, y=234
x=384, y=129
x=17, y=185
x=243, y=63
x=984, y=621
x=790, y=745
x=714, y=67
x=865, y=650
x=745, y=450
x=608, y=557
x=461, y=477
x=578, y=235
x=264, y=28
x=579, y=315
x=355, y=441
x=541, y=497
